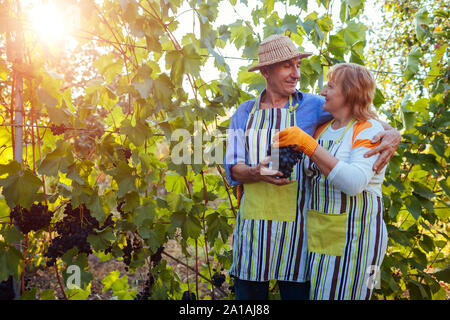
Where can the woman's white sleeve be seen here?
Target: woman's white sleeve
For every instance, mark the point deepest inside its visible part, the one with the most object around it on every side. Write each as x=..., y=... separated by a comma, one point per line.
x=353, y=177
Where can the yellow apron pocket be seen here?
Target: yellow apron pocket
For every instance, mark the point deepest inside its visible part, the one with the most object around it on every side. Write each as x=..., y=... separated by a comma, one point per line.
x=326, y=233
x=266, y=201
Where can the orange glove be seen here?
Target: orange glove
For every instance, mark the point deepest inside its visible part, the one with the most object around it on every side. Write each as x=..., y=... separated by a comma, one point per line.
x=295, y=136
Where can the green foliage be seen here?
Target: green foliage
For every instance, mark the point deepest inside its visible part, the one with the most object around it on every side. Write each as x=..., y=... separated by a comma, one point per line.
x=140, y=84
x=415, y=191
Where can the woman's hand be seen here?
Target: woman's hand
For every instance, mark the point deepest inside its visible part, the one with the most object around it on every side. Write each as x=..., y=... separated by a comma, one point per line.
x=295, y=136
x=389, y=141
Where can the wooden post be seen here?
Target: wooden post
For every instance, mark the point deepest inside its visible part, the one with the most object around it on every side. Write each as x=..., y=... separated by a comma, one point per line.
x=18, y=111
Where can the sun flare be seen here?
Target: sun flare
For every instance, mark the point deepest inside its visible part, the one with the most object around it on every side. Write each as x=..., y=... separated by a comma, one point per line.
x=49, y=21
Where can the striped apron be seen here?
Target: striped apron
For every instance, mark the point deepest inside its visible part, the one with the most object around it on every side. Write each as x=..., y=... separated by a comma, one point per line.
x=347, y=272
x=269, y=249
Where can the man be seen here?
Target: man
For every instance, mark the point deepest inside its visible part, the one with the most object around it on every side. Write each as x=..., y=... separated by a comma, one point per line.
x=269, y=240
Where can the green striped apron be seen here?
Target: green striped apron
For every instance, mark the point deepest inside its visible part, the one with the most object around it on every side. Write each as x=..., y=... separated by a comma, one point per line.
x=347, y=236
x=265, y=249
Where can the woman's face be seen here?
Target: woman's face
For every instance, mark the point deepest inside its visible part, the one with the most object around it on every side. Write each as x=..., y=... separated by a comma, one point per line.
x=283, y=77
x=334, y=98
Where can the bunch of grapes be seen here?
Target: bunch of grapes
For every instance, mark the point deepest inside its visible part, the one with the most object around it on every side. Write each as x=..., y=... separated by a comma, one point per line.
x=38, y=217
x=108, y=222
x=156, y=257
x=57, y=130
x=126, y=153
x=129, y=249
x=187, y=295
x=288, y=158
x=146, y=292
x=73, y=231
x=123, y=215
x=218, y=279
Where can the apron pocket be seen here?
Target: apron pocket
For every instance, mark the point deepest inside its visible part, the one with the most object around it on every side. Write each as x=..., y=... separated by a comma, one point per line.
x=266, y=201
x=326, y=233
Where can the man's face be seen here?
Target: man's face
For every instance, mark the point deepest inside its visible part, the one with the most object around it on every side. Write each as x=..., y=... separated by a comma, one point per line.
x=283, y=77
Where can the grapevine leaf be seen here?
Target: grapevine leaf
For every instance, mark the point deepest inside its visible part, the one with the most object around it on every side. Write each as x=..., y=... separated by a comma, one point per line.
x=190, y=226
x=354, y=32
x=58, y=115
x=217, y=224
x=154, y=237
x=144, y=88
x=125, y=177
x=412, y=65
x=174, y=60
x=21, y=189
x=10, y=261
x=94, y=204
x=163, y=89
x=422, y=20
x=56, y=161
x=191, y=60
x=414, y=207
x=143, y=213
x=47, y=294
x=178, y=202
x=302, y=4
x=46, y=99
x=439, y=145
x=137, y=133
x=101, y=240
x=379, y=98
x=422, y=190
x=79, y=294
x=10, y=233
x=443, y=275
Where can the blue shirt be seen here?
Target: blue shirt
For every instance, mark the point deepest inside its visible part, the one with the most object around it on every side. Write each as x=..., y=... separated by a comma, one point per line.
x=309, y=115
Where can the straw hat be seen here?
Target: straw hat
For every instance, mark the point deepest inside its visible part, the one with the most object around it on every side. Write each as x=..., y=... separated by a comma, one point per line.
x=277, y=48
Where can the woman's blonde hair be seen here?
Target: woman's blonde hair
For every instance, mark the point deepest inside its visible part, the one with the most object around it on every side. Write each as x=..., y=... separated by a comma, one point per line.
x=358, y=87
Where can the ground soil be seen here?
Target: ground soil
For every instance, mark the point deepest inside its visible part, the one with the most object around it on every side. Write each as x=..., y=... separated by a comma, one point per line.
x=43, y=279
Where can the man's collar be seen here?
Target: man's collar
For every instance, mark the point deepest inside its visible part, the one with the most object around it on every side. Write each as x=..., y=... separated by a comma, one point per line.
x=298, y=95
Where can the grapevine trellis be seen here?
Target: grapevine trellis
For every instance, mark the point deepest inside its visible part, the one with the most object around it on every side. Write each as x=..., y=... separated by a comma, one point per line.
x=94, y=161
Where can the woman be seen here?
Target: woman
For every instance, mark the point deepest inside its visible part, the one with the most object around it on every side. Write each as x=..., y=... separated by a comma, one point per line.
x=346, y=234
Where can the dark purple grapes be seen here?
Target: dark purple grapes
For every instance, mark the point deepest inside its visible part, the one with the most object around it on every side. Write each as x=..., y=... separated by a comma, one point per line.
x=288, y=157
x=146, y=292
x=57, y=130
x=108, y=222
x=127, y=153
x=131, y=246
x=37, y=218
x=127, y=252
x=156, y=257
x=187, y=295
x=73, y=231
x=123, y=214
x=218, y=279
